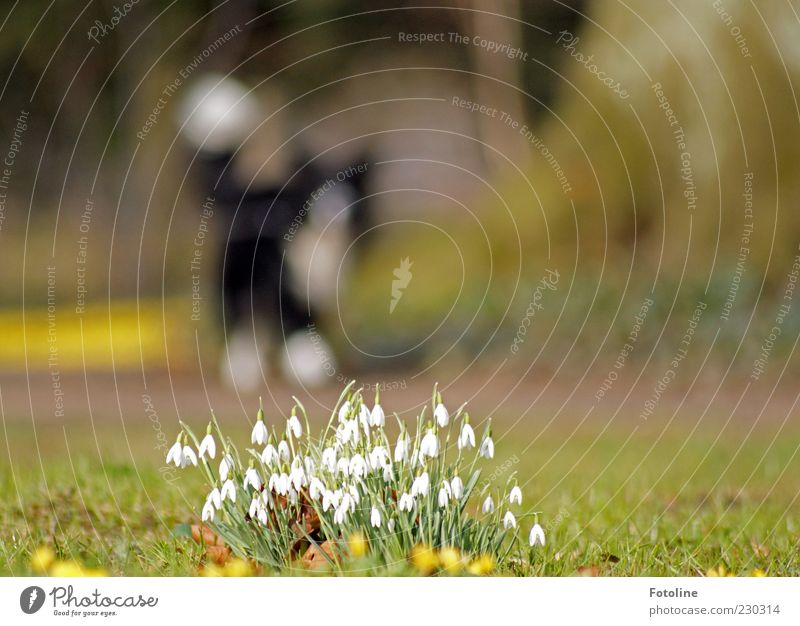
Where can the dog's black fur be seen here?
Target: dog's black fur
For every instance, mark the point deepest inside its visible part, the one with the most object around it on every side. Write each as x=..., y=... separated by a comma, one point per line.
x=255, y=279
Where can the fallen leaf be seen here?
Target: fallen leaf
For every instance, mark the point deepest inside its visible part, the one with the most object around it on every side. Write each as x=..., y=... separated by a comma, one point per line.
x=589, y=570
x=314, y=559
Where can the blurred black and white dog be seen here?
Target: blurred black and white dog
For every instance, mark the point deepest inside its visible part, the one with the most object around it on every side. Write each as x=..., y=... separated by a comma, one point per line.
x=283, y=244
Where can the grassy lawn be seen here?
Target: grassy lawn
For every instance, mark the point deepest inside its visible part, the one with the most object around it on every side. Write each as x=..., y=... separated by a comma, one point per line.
x=609, y=507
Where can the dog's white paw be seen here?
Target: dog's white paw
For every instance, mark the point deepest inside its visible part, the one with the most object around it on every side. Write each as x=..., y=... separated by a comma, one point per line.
x=308, y=358
x=241, y=366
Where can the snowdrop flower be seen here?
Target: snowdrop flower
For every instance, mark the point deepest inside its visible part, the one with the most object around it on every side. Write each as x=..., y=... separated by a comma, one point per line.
x=251, y=477
x=188, y=456
x=536, y=536
x=175, y=453
x=377, y=418
x=358, y=466
x=283, y=450
x=208, y=511
x=401, y=449
x=429, y=445
x=259, y=434
x=444, y=496
x=440, y=413
x=279, y=483
x=329, y=459
x=467, y=437
x=255, y=504
x=516, y=495
x=509, y=521
x=328, y=500
x=215, y=498
x=316, y=488
x=343, y=509
x=457, y=487
x=487, y=447
x=390, y=525
x=375, y=518
x=378, y=457
x=293, y=426
x=344, y=410
x=363, y=417
x=355, y=497
x=225, y=466
x=229, y=490
x=207, y=445
x=308, y=462
x=343, y=466
x=297, y=477
x=406, y=502
x=387, y=472
x=488, y=505
x=421, y=485
x=270, y=454
x=262, y=515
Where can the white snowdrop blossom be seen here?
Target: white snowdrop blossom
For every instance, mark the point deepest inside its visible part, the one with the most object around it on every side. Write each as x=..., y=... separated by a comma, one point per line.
x=363, y=417
x=406, y=502
x=269, y=455
x=401, y=449
x=378, y=457
x=443, y=497
x=283, y=450
x=329, y=459
x=488, y=505
x=515, y=497
x=358, y=466
x=457, y=487
x=215, y=498
x=208, y=512
x=225, y=466
x=509, y=521
x=252, y=478
x=343, y=466
x=466, y=438
x=229, y=490
x=377, y=417
x=421, y=485
x=375, y=518
x=207, y=446
x=316, y=488
x=390, y=525
x=487, y=448
x=175, y=453
x=293, y=427
x=344, y=410
x=430, y=444
x=188, y=456
x=441, y=415
x=259, y=435
x=536, y=536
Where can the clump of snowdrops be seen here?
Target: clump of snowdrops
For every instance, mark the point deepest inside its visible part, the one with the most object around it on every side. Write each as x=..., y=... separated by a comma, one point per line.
x=395, y=499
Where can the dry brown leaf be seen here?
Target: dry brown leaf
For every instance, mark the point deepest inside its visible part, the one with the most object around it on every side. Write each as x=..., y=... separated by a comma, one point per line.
x=314, y=559
x=218, y=554
x=589, y=570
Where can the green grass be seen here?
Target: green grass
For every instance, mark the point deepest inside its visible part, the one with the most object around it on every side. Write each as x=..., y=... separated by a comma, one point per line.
x=607, y=507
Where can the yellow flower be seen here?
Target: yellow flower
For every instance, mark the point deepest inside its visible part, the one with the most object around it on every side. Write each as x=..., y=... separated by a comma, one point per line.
x=424, y=559
x=237, y=568
x=719, y=572
x=451, y=560
x=212, y=570
x=42, y=559
x=66, y=569
x=481, y=566
x=358, y=545
x=758, y=573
